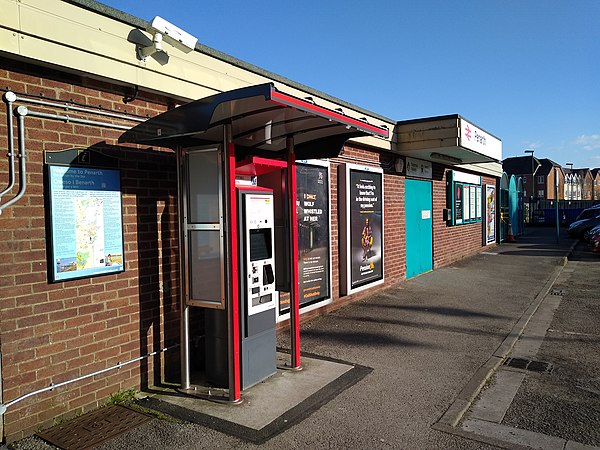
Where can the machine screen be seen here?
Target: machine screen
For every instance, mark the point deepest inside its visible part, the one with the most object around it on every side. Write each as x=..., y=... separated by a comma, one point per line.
x=260, y=244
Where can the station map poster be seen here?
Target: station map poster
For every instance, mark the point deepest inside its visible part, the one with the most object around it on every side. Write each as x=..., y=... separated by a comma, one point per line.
x=86, y=222
x=490, y=214
x=314, y=264
x=366, y=227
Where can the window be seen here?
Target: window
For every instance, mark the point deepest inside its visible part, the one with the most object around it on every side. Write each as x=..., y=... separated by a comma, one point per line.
x=540, y=180
x=541, y=193
x=524, y=179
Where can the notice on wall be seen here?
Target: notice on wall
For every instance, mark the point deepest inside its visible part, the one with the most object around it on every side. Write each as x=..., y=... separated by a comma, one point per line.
x=466, y=203
x=458, y=204
x=86, y=222
x=473, y=202
x=366, y=227
x=314, y=264
x=478, y=199
x=490, y=214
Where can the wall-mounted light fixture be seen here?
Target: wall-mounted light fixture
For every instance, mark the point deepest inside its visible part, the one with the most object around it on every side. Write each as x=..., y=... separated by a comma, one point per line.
x=445, y=158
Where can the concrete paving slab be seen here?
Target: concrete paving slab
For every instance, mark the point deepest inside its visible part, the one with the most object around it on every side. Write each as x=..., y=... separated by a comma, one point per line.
x=514, y=436
x=496, y=399
x=268, y=407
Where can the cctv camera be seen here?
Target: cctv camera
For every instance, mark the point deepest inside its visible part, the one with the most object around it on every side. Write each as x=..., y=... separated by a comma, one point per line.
x=173, y=35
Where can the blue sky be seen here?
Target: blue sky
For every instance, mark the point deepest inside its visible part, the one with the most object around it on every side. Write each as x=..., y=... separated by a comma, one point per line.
x=527, y=71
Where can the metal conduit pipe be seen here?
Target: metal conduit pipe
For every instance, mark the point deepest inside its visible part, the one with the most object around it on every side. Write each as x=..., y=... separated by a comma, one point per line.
x=70, y=119
x=5, y=406
x=68, y=107
x=9, y=98
x=21, y=112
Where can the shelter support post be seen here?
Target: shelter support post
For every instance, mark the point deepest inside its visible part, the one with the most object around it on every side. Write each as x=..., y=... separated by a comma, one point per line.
x=294, y=299
x=184, y=347
x=232, y=306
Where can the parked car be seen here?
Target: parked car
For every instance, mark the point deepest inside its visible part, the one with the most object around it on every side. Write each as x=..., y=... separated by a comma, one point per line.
x=595, y=243
x=588, y=213
x=579, y=227
x=591, y=233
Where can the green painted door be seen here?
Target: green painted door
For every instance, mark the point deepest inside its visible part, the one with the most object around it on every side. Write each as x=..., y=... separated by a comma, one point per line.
x=419, y=227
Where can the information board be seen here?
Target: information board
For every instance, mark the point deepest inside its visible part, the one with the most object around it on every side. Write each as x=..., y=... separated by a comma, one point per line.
x=86, y=224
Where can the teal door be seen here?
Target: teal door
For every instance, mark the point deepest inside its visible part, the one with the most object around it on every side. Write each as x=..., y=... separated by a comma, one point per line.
x=419, y=227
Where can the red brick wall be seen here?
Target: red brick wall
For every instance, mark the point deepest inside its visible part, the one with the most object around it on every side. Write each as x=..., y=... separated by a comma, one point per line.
x=452, y=243
x=51, y=333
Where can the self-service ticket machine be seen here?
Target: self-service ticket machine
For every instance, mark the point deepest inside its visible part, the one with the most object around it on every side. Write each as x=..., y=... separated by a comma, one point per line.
x=257, y=296
x=257, y=285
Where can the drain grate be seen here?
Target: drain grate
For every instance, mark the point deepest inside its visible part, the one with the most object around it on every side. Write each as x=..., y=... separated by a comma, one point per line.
x=91, y=429
x=529, y=365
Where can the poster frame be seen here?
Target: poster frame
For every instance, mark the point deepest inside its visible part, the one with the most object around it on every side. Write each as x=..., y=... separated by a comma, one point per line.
x=326, y=301
x=494, y=216
x=345, y=245
x=61, y=159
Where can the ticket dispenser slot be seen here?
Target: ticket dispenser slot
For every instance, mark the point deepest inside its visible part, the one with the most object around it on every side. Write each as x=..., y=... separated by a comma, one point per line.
x=257, y=285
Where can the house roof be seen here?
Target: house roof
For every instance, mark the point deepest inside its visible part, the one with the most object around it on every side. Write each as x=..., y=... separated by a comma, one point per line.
x=520, y=165
x=547, y=165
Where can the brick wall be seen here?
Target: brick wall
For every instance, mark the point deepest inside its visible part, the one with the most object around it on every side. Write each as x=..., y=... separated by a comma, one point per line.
x=51, y=333
x=452, y=243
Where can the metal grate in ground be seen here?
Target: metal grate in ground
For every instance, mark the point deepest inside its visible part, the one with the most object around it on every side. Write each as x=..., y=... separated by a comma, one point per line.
x=529, y=365
x=91, y=429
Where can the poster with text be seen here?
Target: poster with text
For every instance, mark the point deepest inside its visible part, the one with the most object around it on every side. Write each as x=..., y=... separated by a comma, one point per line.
x=314, y=264
x=466, y=203
x=366, y=227
x=458, y=204
x=86, y=222
x=490, y=214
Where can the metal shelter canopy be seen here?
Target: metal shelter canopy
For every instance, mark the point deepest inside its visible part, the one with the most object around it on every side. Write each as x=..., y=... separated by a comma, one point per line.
x=261, y=117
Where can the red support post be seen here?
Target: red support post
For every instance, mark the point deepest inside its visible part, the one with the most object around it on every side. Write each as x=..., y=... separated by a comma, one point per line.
x=234, y=304
x=294, y=294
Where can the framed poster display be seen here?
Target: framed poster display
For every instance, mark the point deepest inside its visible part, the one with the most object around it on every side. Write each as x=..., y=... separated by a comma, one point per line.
x=86, y=222
x=361, y=227
x=313, y=206
x=489, y=230
x=464, y=197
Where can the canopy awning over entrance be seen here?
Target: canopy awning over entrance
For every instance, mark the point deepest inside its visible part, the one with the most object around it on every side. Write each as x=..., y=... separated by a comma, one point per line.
x=450, y=140
x=261, y=118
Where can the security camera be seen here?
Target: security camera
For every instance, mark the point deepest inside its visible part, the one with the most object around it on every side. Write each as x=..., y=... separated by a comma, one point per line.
x=173, y=35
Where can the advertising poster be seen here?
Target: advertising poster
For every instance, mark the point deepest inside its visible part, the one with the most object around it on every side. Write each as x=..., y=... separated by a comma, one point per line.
x=490, y=214
x=458, y=204
x=478, y=198
x=312, y=193
x=86, y=222
x=366, y=227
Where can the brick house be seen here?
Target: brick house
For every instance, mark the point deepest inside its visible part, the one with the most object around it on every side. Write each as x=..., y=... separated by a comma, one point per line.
x=596, y=183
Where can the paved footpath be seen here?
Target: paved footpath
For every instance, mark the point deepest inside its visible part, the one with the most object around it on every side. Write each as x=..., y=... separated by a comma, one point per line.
x=432, y=343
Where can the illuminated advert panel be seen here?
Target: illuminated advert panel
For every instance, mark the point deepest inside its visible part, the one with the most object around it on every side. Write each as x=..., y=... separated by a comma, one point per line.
x=86, y=225
x=313, y=205
x=361, y=227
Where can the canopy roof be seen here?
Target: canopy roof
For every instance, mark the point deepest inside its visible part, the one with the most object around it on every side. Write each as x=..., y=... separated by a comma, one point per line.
x=261, y=118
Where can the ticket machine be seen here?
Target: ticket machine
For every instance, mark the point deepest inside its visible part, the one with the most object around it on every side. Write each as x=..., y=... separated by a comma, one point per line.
x=257, y=284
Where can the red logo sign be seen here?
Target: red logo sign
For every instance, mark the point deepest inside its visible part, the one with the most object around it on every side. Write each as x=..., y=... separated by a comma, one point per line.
x=468, y=132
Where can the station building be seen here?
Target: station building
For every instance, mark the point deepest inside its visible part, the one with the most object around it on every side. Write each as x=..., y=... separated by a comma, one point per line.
x=147, y=183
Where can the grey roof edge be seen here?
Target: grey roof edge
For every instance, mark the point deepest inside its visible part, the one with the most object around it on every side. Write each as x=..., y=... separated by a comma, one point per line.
x=128, y=19
x=444, y=117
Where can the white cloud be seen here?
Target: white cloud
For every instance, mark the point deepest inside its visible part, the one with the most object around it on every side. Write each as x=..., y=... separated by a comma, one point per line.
x=532, y=145
x=589, y=142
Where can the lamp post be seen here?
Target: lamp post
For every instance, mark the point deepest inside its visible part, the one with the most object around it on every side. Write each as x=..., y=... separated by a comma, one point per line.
x=532, y=188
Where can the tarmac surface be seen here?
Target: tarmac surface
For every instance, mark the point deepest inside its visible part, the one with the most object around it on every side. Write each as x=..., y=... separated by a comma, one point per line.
x=436, y=345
